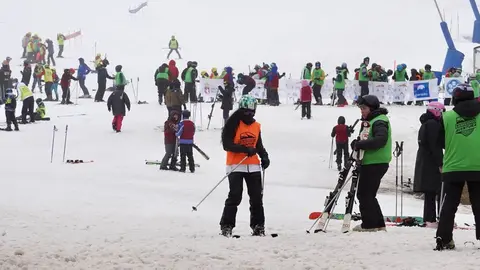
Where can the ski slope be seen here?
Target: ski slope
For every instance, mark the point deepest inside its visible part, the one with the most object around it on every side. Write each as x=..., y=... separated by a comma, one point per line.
x=118, y=213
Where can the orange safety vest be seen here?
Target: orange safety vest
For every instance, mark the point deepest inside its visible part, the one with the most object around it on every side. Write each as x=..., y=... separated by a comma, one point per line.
x=246, y=135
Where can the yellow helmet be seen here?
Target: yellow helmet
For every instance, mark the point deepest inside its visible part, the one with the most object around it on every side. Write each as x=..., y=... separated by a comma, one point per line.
x=422, y=71
x=173, y=37
x=214, y=70
x=203, y=73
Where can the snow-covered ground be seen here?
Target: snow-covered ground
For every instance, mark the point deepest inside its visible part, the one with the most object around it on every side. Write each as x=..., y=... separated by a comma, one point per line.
x=118, y=213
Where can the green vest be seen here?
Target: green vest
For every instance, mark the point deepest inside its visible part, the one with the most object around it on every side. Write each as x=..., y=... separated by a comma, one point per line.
x=173, y=44
x=462, y=143
x=188, y=75
x=428, y=75
x=400, y=75
x=120, y=79
x=307, y=75
x=25, y=92
x=384, y=154
x=340, y=84
x=162, y=75
x=477, y=76
x=360, y=75
x=476, y=88
x=375, y=75
x=41, y=111
x=317, y=73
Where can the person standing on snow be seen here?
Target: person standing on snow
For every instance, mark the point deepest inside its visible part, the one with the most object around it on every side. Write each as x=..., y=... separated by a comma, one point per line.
x=306, y=99
x=248, y=81
x=10, y=108
x=82, y=72
x=25, y=41
x=363, y=77
x=173, y=46
x=307, y=72
x=227, y=99
x=341, y=133
x=37, y=77
x=174, y=97
x=172, y=71
x=273, y=81
x=169, y=130
x=120, y=80
x=189, y=76
x=161, y=81
x=318, y=79
x=185, y=134
x=116, y=104
x=26, y=73
x=460, y=136
x=339, y=86
x=61, y=41
x=67, y=77
x=377, y=156
x=5, y=78
x=26, y=96
x=48, y=79
x=102, y=76
x=428, y=177
x=241, y=138
x=51, y=52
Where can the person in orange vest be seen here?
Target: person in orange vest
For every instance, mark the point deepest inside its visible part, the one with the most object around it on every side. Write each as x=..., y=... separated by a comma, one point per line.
x=246, y=158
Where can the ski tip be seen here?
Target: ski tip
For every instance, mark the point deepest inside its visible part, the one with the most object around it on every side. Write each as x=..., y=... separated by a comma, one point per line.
x=194, y=208
x=308, y=232
x=235, y=236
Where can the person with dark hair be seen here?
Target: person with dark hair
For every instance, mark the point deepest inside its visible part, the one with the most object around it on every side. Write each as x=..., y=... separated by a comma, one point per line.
x=120, y=80
x=65, y=81
x=161, y=81
x=227, y=99
x=460, y=136
x=248, y=81
x=341, y=132
x=186, y=134
x=174, y=97
x=246, y=158
x=377, y=154
x=102, y=76
x=117, y=103
x=82, y=72
x=169, y=130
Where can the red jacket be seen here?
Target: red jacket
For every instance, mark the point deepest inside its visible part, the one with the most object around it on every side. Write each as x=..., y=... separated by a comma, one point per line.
x=340, y=132
x=306, y=94
x=172, y=71
x=65, y=81
x=169, y=130
x=274, y=82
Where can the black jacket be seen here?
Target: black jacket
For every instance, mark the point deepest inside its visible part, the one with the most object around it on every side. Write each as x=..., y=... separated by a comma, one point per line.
x=117, y=102
x=102, y=75
x=379, y=132
x=466, y=109
x=427, y=177
x=227, y=97
x=247, y=81
x=26, y=75
x=50, y=47
x=5, y=75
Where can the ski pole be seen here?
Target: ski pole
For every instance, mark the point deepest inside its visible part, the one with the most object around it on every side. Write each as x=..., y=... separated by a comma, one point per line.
x=195, y=208
x=53, y=142
x=395, y=153
x=331, y=155
x=401, y=179
x=441, y=199
x=263, y=180
x=65, y=143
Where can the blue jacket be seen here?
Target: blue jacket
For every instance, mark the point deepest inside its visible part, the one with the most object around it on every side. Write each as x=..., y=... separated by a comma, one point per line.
x=186, y=131
x=82, y=71
x=273, y=72
x=229, y=71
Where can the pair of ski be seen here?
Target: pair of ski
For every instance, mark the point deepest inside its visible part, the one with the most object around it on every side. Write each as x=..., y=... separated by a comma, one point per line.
x=353, y=164
x=159, y=162
x=236, y=236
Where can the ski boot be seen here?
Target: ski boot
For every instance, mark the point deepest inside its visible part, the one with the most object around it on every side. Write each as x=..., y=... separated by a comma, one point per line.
x=339, y=166
x=114, y=127
x=226, y=231
x=164, y=168
x=173, y=167
x=191, y=166
x=63, y=102
x=258, y=230
x=442, y=245
x=9, y=128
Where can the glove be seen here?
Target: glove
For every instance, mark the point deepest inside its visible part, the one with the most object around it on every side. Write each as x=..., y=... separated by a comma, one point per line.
x=265, y=162
x=251, y=151
x=353, y=144
x=220, y=88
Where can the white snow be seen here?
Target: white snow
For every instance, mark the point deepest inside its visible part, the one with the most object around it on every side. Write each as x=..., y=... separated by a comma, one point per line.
x=118, y=213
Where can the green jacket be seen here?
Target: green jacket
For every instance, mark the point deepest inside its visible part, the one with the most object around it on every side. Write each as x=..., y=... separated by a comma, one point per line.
x=428, y=75
x=306, y=74
x=162, y=75
x=361, y=77
x=318, y=76
x=340, y=81
x=400, y=75
x=188, y=75
x=120, y=79
x=173, y=44
x=383, y=154
x=41, y=111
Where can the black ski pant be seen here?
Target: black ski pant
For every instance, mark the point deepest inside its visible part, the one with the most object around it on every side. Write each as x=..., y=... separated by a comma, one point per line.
x=162, y=85
x=363, y=88
x=3, y=89
x=60, y=50
x=11, y=119
x=453, y=193
x=255, y=192
x=274, y=97
x=307, y=109
x=27, y=109
x=24, y=54
x=430, y=203
x=50, y=58
x=341, y=98
x=65, y=94
x=102, y=86
x=368, y=184
x=172, y=50
x=247, y=89
x=84, y=88
x=190, y=90
x=186, y=151
x=317, y=93
x=169, y=153
x=342, y=150
x=226, y=114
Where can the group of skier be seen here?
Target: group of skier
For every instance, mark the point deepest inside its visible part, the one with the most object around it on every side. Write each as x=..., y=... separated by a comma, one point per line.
x=35, y=50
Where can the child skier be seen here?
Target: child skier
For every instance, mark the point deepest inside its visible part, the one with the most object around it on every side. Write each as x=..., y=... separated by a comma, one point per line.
x=227, y=99
x=120, y=80
x=67, y=77
x=10, y=107
x=169, y=130
x=117, y=102
x=55, y=83
x=306, y=99
x=41, y=111
x=241, y=138
x=174, y=97
x=339, y=84
x=341, y=133
x=186, y=132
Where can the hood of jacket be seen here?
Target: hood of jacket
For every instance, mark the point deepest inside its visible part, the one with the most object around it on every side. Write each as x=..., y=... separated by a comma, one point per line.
x=172, y=63
x=468, y=108
x=427, y=116
x=376, y=113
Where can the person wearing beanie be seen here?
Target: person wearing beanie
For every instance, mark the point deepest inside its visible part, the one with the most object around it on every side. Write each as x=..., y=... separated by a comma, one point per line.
x=10, y=107
x=460, y=137
x=427, y=177
x=65, y=81
x=377, y=154
x=306, y=99
x=246, y=158
x=186, y=134
x=174, y=97
x=169, y=130
x=117, y=101
x=120, y=80
x=341, y=132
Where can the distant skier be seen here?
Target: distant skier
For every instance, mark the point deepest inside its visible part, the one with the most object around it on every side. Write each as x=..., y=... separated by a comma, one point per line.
x=102, y=76
x=173, y=46
x=306, y=99
x=186, y=134
x=241, y=138
x=61, y=41
x=377, y=156
x=428, y=176
x=227, y=99
x=248, y=81
x=65, y=81
x=82, y=72
x=116, y=104
x=169, y=130
x=459, y=134
x=341, y=133
x=10, y=108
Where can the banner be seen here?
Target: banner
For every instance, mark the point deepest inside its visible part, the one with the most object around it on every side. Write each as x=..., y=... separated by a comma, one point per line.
x=380, y=89
x=424, y=90
x=73, y=35
x=400, y=92
x=208, y=88
x=450, y=84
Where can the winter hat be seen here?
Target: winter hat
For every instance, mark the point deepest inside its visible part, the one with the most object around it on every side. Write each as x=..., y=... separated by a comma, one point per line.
x=341, y=120
x=39, y=102
x=428, y=67
x=186, y=114
x=304, y=83
x=318, y=64
x=175, y=84
x=309, y=65
x=462, y=92
x=370, y=101
x=436, y=108
x=247, y=102
x=118, y=68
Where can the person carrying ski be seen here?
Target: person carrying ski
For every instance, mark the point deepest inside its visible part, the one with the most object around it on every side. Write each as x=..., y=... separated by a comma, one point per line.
x=341, y=133
x=67, y=77
x=377, y=149
x=116, y=104
x=170, y=139
x=428, y=177
x=174, y=97
x=242, y=140
x=306, y=99
x=459, y=135
x=227, y=99
x=10, y=107
x=173, y=46
x=186, y=133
